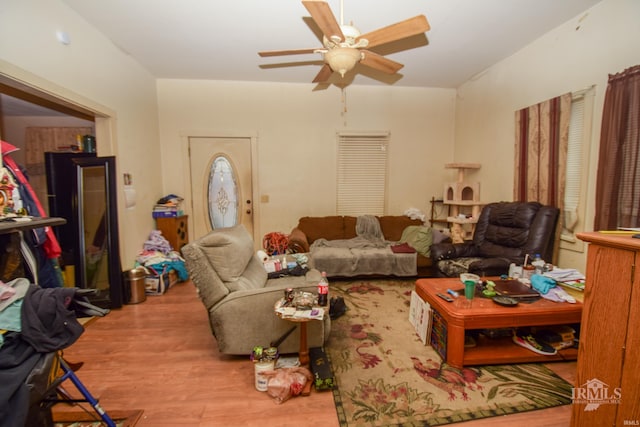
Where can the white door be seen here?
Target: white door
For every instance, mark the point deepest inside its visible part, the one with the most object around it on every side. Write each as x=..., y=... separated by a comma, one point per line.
x=221, y=191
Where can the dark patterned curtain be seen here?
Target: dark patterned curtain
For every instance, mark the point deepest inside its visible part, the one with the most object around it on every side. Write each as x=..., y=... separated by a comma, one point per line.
x=618, y=182
x=542, y=137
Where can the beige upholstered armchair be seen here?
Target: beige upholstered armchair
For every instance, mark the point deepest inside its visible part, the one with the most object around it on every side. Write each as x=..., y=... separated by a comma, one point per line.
x=233, y=286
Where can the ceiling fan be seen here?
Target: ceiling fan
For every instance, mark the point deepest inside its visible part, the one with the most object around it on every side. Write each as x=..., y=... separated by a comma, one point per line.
x=344, y=46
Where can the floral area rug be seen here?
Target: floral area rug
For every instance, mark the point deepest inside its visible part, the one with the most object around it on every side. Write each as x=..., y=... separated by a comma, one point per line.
x=386, y=376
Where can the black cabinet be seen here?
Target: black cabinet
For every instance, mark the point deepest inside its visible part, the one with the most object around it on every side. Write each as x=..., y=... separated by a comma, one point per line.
x=82, y=190
x=61, y=171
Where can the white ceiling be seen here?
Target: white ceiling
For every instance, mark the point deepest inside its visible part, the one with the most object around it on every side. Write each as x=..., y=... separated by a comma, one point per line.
x=219, y=40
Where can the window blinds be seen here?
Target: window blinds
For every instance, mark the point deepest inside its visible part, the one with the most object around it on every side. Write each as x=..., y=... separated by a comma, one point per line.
x=574, y=163
x=362, y=173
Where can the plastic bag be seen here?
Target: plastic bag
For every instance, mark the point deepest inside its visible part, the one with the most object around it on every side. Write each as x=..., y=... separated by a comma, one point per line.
x=285, y=383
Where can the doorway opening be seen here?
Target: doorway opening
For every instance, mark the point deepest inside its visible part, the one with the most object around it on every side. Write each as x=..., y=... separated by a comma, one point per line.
x=24, y=112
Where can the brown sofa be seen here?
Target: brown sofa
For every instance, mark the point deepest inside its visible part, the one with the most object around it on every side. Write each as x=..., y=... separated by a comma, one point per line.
x=310, y=229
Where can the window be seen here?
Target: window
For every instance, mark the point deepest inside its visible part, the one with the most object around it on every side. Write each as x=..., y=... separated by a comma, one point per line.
x=222, y=194
x=577, y=168
x=362, y=173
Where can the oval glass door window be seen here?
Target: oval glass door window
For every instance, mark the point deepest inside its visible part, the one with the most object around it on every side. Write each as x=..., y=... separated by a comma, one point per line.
x=222, y=194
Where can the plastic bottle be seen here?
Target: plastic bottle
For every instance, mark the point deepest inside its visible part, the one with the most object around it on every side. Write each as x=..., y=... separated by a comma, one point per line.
x=538, y=264
x=323, y=290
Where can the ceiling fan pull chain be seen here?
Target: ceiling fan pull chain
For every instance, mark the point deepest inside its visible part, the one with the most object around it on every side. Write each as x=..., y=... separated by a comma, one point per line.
x=344, y=106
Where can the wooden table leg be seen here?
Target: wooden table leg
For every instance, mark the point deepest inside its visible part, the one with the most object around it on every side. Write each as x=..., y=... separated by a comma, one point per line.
x=303, y=356
x=455, y=345
x=304, y=350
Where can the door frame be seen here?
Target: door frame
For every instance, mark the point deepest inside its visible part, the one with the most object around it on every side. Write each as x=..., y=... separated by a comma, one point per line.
x=252, y=136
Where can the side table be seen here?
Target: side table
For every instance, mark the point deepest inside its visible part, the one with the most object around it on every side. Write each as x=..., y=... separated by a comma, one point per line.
x=302, y=320
x=303, y=352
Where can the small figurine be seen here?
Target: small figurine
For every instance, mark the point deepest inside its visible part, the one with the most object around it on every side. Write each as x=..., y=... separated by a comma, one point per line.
x=489, y=291
x=7, y=185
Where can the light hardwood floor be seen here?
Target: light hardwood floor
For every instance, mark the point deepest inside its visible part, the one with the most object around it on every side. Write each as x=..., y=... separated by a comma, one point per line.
x=160, y=356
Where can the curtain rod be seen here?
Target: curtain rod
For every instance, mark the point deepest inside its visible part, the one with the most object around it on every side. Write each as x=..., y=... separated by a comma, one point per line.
x=626, y=73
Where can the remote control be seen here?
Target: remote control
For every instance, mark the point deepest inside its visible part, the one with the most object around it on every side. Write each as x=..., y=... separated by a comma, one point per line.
x=447, y=298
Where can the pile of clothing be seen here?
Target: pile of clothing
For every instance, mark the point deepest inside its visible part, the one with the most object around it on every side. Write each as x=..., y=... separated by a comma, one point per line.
x=42, y=242
x=34, y=322
x=158, y=256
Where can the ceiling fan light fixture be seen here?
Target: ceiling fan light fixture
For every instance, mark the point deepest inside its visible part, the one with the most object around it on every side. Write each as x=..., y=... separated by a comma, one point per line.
x=343, y=45
x=342, y=59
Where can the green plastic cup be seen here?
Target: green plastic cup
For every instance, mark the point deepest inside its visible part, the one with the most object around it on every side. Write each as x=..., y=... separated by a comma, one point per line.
x=469, y=289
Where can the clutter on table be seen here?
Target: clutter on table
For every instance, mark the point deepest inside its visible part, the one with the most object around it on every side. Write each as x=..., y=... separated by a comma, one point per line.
x=303, y=305
x=553, y=283
x=284, y=265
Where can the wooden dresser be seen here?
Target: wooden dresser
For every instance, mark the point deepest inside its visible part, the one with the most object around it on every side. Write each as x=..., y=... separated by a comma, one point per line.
x=175, y=230
x=609, y=353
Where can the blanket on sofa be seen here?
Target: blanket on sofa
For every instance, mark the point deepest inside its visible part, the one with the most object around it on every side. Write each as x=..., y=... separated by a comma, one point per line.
x=351, y=262
x=368, y=235
x=367, y=253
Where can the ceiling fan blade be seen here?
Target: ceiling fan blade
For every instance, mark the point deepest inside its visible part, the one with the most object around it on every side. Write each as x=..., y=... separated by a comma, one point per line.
x=379, y=62
x=397, y=31
x=324, y=74
x=287, y=52
x=325, y=19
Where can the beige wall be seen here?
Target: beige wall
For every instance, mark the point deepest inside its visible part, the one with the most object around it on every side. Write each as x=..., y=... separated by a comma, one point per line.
x=580, y=53
x=14, y=129
x=295, y=126
x=93, y=73
x=296, y=140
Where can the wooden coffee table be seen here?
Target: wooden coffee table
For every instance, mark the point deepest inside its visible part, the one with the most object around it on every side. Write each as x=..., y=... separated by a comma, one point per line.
x=485, y=314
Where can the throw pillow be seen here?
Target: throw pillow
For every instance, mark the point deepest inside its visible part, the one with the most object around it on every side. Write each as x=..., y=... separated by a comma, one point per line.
x=418, y=237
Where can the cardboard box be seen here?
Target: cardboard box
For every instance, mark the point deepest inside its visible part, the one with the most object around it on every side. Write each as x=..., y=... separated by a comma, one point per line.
x=420, y=316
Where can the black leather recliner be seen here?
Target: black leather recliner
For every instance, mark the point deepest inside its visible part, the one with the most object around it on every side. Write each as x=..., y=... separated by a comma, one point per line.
x=504, y=234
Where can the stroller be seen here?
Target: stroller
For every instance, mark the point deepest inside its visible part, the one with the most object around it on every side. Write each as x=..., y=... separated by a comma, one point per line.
x=32, y=368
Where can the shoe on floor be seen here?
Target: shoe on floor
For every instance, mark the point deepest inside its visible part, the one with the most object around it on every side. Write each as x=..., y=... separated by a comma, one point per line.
x=469, y=341
x=529, y=342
